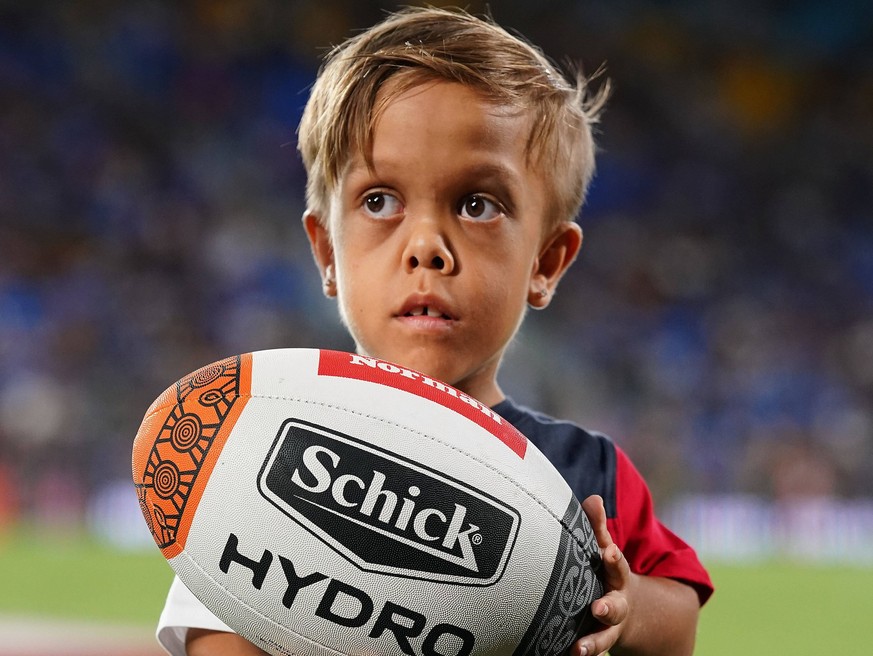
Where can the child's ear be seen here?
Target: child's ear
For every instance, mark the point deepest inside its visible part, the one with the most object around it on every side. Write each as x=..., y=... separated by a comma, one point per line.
x=322, y=249
x=558, y=252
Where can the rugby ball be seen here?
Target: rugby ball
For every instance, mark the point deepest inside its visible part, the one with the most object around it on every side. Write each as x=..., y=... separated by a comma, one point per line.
x=322, y=502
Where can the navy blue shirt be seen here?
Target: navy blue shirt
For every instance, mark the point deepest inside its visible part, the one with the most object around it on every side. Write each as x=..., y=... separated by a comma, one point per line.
x=592, y=464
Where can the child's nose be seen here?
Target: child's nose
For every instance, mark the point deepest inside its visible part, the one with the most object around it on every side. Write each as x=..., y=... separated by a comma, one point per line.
x=428, y=248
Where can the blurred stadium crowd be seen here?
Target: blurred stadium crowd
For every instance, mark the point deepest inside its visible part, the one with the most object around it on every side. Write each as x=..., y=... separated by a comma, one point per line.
x=719, y=322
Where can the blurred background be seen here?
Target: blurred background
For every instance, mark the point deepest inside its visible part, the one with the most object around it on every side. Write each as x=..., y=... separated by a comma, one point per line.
x=718, y=324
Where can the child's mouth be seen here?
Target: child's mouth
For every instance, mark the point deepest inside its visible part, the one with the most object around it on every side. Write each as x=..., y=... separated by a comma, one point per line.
x=426, y=311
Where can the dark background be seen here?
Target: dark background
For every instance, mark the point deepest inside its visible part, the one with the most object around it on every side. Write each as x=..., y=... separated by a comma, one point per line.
x=718, y=324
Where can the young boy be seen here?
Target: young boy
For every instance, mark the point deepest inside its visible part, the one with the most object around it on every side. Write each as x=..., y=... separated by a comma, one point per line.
x=446, y=161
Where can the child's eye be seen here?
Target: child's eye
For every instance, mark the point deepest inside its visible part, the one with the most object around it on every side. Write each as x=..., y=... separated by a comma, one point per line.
x=478, y=208
x=381, y=205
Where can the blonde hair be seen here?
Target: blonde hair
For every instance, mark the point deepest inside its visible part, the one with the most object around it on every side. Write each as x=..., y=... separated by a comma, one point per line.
x=416, y=45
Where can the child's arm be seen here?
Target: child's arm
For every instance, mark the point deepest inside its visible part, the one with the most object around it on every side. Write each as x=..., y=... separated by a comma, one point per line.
x=204, y=642
x=642, y=615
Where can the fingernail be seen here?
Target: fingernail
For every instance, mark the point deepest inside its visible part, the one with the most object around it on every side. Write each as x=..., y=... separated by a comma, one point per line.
x=601, y=610
x=584, y=650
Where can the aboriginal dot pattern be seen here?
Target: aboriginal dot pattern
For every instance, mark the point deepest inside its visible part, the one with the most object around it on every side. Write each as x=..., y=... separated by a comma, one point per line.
x=188, y=427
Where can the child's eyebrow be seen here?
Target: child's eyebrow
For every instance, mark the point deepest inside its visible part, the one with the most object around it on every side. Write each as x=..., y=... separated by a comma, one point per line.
x=477, y=175
x=494, y=170
x=489, y=171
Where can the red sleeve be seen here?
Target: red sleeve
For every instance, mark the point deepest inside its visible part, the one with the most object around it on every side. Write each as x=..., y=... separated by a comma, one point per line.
x=649, y=546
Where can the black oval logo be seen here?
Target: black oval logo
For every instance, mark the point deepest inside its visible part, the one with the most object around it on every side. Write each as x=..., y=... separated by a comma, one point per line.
x=386, y=513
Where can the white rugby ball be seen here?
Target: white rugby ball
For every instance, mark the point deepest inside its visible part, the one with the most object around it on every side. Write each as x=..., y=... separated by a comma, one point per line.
x=321, y=502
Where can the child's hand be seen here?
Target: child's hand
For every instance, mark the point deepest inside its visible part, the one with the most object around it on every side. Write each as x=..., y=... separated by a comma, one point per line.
x=203, y=642
x=613, y=607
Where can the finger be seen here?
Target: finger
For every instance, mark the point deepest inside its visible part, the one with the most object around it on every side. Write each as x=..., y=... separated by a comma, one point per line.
x=616, y=569
x=615, y=558
x=595, y=643
x=610, y=610
x=596, y=513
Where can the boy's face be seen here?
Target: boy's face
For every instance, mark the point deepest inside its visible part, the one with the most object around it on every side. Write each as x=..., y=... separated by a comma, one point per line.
x=435, y=251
